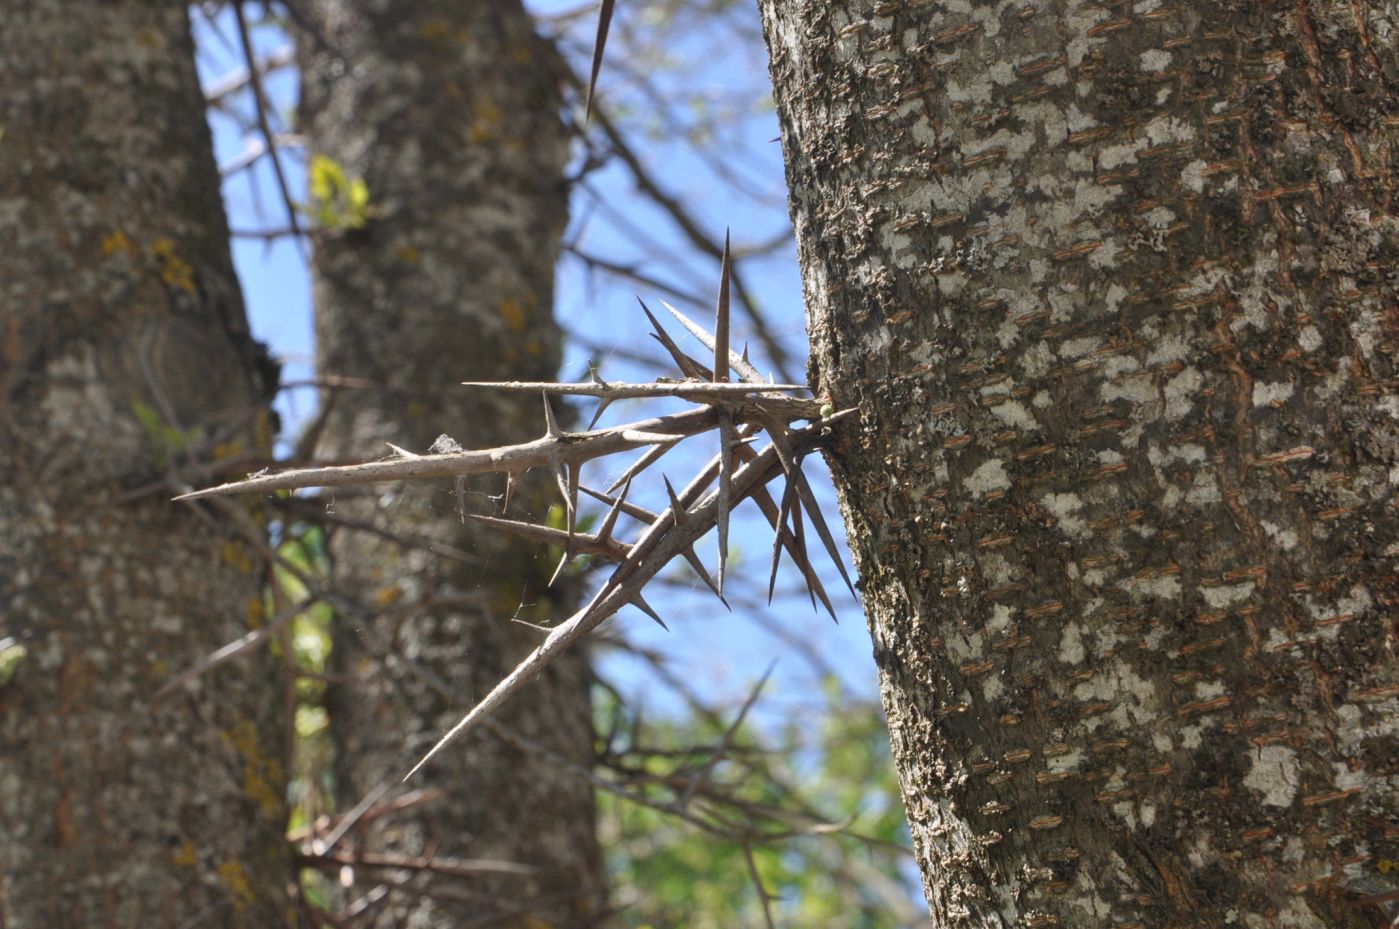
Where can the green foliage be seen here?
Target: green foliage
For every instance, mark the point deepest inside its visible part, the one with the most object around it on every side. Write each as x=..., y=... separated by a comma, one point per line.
x=11, y=657
x=303, y=548
x=165, y=439
x=338, y=201
x=668, y=873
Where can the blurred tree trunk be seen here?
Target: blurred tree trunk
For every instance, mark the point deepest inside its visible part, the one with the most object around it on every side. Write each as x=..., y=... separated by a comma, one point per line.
x=1114, y=288
x=124, y=353
x=447, y=113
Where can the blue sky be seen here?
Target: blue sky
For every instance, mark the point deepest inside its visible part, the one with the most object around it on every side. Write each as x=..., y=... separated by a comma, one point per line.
x=707, y=71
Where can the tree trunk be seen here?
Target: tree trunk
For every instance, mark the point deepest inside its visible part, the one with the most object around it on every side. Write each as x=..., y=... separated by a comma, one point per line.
x=1113, y=286
x=124, y=354
x=446, y=113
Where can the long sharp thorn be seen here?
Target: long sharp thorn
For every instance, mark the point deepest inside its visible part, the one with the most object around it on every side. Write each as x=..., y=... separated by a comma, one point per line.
x=688, y=366
x=609, y=522
x=813, y=586
x=564, y=562
x=566, y=476
x=819, y=522
x=645, y=607
x=698, y=566
x=777, y=538
x=726, y=440
x=551, y=425
x=572, y=503
x=677, y=508
x=604, y=22
x=509, y=490
x=721, y=319
x=744, y=369
x=602, y=406
x=641, y=464
x=631, y=509
x=794, y=543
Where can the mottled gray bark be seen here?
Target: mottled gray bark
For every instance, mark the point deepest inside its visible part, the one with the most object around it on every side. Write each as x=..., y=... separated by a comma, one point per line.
x=448, y=113
x=1114, y=288
x=122, y=337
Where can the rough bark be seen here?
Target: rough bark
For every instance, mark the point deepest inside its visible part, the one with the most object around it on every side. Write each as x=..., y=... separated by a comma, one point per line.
x=448, y=114
x=123, y=351
x=1114, y=288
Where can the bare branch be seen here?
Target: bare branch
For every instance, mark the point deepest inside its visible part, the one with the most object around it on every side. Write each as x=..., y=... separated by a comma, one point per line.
x=548, y=451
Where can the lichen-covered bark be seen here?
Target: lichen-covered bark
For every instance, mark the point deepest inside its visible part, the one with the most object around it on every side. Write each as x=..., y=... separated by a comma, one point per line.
x=1113, y=285
x=122, y=338
x=448, y=114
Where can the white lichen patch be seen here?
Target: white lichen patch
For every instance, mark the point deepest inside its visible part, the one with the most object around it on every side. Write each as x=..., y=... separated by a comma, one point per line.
x=1180, y=392
x=991, y=476
x=1204, y=491
x=1037, y=359
x=1000, y=618
x=1226, y=595
x=1265, y=393
x=1285, y=538
x=1133, y=698
x=1275, y=775
x=1066, y=762
x=1135, y=389
x=1015, y=415
x=1064, y=508
x=1166, y=348
x=1155, y=60
x=1114, y=156
x=1310, y=338
x=1165, y=130
x=1356, y=602
x=1161, y=587
x=1192, y=176
x=1077, y=348
x=1347, y=779
x=1071, y=649
x=966, y=646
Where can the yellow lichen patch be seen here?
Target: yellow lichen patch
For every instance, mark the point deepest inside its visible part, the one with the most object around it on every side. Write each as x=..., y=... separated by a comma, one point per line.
x=186, y=856
x=388, y=595
x=235, y=555
x=513, y=312
x=173, y=269
x=440, y=30
x=262, y=774
x=226, y=450
x=409, y=255
x=486, y=123
x=254, y=612
x=262, y=430
x=116, y=242
x=235, y=878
